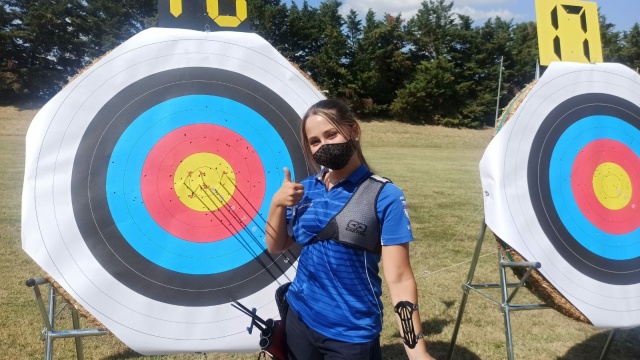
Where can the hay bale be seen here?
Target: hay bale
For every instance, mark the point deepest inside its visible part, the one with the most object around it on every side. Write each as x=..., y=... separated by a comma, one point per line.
x=513, y=105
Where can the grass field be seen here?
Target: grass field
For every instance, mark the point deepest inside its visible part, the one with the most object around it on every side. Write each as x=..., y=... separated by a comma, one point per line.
x=438, y=170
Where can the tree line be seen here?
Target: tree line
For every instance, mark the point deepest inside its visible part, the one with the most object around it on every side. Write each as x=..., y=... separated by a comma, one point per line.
x=437, y=67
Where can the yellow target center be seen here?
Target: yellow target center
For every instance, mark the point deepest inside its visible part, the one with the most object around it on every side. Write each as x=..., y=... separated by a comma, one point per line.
x=204, y=182
x=612, y=186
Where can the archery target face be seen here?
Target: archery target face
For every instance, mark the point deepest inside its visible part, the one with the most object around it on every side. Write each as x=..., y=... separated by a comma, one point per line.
x=562, y=187
x=148, y=182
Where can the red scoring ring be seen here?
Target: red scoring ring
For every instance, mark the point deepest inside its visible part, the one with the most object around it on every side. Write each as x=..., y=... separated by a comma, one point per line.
x=594, y=154
x=176, y=218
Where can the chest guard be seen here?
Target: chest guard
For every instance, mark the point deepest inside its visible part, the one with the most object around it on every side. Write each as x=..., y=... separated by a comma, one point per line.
x=357, y=224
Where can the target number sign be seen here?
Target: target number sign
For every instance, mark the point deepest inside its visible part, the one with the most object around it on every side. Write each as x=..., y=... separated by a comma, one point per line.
x=568, y=31
x=204, y=15
x=562, y=180
x=148, y=181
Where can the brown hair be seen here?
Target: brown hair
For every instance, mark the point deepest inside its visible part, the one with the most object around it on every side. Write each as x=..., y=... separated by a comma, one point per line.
x=341, y=117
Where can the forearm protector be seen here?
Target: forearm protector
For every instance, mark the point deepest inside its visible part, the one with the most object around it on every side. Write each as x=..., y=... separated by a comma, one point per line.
x=405, y=310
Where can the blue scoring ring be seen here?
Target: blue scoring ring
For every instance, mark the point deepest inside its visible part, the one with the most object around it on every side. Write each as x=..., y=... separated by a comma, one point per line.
x=570, y=143
x=125, y=198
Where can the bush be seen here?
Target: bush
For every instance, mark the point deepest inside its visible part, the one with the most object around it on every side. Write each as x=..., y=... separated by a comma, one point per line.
x=430, y=97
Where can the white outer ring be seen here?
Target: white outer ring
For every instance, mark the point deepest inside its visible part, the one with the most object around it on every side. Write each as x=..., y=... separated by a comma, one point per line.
x=50, y=234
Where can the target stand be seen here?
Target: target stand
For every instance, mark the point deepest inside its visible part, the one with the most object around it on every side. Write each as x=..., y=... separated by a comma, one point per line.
x=49, y=332
x=505, y=303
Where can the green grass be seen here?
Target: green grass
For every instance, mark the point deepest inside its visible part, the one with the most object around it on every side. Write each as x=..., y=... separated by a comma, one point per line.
x=438, y=170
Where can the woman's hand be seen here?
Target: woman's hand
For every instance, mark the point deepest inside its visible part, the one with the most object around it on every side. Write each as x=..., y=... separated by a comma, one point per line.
x=289, y=194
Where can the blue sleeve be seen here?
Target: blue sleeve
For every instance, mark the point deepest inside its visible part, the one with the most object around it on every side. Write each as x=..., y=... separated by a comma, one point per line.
x=394, y=216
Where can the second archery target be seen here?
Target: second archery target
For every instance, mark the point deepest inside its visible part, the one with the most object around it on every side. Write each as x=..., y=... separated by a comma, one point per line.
x=148, y=183
x=562, y=187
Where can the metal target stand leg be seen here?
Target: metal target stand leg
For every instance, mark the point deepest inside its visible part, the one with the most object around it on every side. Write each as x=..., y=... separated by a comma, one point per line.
x=505, y=305
x=49, y=333
x=607, y=345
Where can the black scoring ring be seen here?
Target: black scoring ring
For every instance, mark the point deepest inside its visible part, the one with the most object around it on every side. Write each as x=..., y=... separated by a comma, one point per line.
x=92, y=213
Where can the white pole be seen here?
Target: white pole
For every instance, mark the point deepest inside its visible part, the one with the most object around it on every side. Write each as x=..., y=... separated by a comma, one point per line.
x=498, y=100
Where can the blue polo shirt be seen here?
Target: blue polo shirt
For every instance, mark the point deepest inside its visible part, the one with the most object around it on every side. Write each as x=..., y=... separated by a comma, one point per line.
x=337, y=289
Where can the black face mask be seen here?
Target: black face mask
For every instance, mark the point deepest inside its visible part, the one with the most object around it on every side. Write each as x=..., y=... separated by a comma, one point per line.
x=334, y=156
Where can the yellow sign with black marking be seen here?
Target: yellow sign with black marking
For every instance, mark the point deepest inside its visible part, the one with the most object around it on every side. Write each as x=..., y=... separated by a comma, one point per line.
x=204, y=15
x=568, y=30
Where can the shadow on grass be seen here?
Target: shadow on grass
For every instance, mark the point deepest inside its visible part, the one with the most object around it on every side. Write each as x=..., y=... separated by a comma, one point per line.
x=625, y=346
x=437, y=349
x=125, y=354
x=434, y=326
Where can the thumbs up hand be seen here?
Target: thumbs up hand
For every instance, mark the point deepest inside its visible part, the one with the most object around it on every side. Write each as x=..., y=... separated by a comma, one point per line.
x=287, y=175
x=290, y=193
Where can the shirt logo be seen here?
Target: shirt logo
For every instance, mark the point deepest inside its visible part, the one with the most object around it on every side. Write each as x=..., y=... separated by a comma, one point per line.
x=304, y=205
x=356, y=227
x=405, y=207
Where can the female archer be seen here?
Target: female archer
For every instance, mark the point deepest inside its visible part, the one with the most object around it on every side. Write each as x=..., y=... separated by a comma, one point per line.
x=347, y=219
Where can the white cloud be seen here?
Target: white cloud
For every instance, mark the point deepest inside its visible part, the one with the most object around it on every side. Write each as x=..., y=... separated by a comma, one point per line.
x=409, y=8
x=480, y=16
x=480, y=2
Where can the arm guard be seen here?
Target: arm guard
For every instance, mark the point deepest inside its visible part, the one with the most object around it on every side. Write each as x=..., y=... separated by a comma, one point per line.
x=405, y=309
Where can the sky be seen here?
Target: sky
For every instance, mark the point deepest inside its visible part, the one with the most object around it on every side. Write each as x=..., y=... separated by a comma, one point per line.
x=622, y=13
